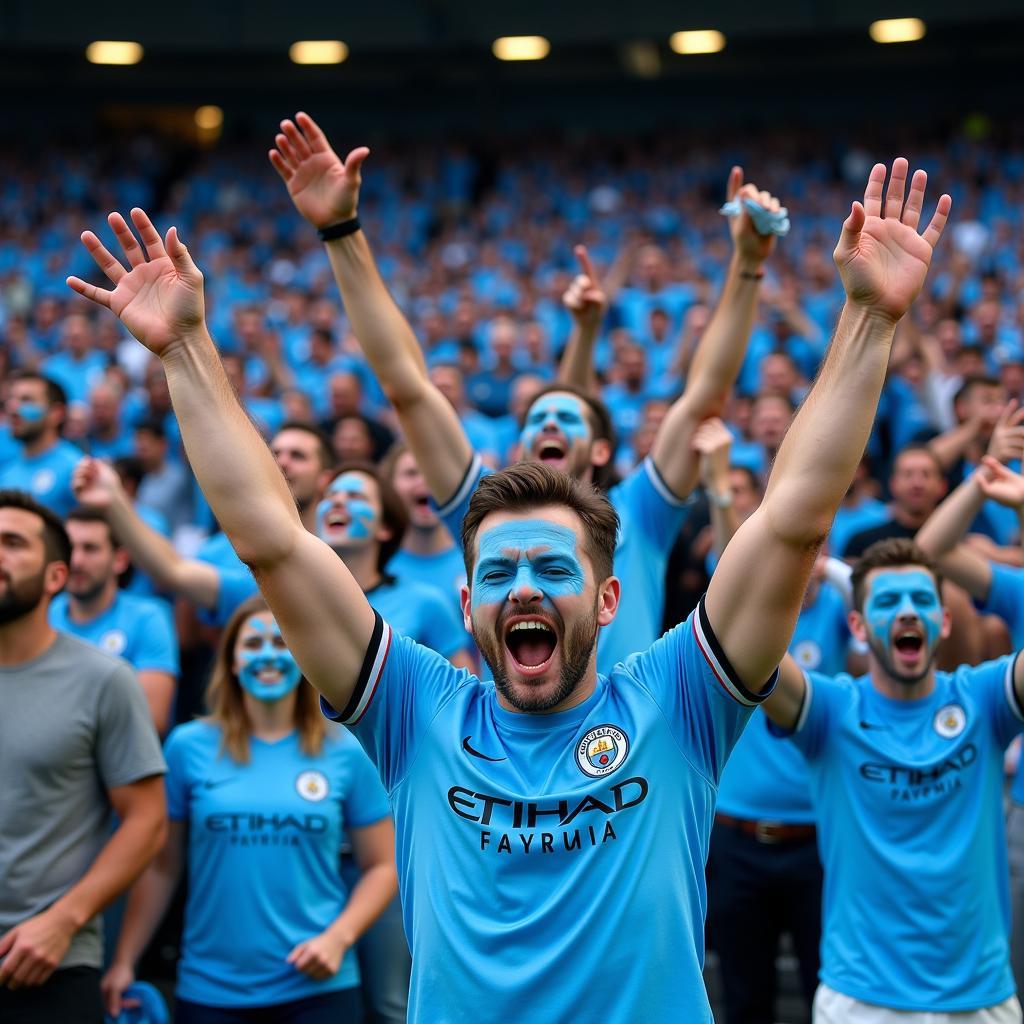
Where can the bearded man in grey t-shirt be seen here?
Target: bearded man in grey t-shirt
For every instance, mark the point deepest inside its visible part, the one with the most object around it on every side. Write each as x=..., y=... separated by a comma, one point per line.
x=76, y=742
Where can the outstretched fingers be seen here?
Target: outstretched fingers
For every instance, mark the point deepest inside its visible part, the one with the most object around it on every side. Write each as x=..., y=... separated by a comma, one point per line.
x=89, y=291
x=852, y=226
x=915, y=200
x=280, y=164
x=149, y=234
x=104, y=260
x=284, y=147
x=734, y=183
x=586, y=265
x=132, y=250
x=933, y=232
x=873, y=192
x=296, y=139
x=314, y=136
x=897, y=185
x=354, y=162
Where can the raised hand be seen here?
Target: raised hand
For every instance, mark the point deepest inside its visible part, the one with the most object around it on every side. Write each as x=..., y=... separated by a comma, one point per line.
x=713, y=440
x=881, y=257
x=1007, y=441
x=750, y=245
x=324, y=189
x=584, y=298
x=1000, y=484
x=159, y=297
x=96, y=484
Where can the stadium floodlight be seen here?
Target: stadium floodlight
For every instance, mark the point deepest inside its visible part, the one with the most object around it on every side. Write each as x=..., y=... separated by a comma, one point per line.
x=209, y=118
x=705, y=40
x=318, y=51
x=521, y=48
x=897, y=30
x=112, y=51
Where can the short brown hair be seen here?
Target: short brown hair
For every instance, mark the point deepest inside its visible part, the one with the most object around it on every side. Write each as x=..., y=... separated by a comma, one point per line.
x=530, y=485
x=83, y=514
x=893, y=553
x=225, y=697
x=324, y=447
x=56, y=543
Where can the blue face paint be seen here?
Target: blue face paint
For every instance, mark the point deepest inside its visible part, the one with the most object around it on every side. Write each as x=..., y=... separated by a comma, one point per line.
x=894, y=594
x=529, y=553
x=269, y=653
x=565, y=412
x=361, y=514
x=31, y=412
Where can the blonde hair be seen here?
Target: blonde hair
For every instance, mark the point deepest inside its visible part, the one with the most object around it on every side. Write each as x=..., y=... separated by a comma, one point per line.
x=225, y=697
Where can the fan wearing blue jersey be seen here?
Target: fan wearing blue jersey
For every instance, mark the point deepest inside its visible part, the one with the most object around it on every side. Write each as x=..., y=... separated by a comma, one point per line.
x=524, y=806
x=906, y=768
x=93, y=608
x=566, y=427
x=35, y=407
x=1000, y=589
x=259, y=795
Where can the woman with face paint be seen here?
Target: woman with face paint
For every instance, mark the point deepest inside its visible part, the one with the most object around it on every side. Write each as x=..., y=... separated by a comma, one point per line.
x=259, y=793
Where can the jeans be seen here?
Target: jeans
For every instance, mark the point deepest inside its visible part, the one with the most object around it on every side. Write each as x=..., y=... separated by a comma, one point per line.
x=70, y=996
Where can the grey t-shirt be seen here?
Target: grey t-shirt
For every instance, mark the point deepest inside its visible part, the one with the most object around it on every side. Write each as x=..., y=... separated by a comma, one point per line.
x=73, y=724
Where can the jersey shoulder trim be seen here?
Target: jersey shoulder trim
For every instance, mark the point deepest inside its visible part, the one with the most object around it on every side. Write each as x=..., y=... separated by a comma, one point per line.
x=369, y=676
x=663, y=489
x=720, y=666
x=465, y=488
x=1011, y=691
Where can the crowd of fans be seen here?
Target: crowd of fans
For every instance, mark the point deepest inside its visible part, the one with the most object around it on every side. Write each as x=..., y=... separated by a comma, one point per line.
x=477, y=247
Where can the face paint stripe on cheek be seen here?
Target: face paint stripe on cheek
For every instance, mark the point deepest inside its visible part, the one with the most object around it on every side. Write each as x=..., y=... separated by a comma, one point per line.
x=903, y=593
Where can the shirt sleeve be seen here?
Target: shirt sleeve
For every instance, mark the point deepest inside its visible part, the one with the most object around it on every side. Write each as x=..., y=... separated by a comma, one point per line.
x=1006, y=596
x=158, y=644
x=454, y=510
x=400, y=689
x=991, y=684
x=810, y=731
x=690, y=678
x=365, y=801
x=127, y=747
x=236, y=586
x=653, y=507
x=176, y=779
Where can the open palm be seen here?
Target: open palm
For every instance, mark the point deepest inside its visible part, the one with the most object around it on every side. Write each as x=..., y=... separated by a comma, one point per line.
x=324, y=188
x=881, y=257
x=159, y=299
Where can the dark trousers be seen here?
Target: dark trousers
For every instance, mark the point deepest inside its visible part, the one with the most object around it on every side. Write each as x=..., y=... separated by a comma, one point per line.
x=70, y=996
x=345, y=1006
x=757, y=891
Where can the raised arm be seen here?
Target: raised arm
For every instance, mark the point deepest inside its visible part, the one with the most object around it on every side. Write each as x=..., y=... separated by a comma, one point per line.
x=325, y=191
x=96, y=485
x=158, y=297
x=754, y=597
x=713, y=443
x=586, y=301
x=723, y=346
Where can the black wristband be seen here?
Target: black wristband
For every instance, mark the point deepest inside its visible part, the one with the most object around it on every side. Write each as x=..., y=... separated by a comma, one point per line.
x=752, y=275
x=333, y=231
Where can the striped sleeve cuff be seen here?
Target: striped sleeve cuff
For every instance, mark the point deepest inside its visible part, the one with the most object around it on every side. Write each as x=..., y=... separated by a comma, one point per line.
x=719, y=663
x=663, y=489
x=369, y=677
x=1011, y=691
x=465, y=488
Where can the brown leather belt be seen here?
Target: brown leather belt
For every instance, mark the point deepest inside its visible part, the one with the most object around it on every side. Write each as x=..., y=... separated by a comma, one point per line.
x=769, y=832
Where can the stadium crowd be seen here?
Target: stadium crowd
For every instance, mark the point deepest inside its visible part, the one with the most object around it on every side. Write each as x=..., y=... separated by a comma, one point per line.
x=587, y=308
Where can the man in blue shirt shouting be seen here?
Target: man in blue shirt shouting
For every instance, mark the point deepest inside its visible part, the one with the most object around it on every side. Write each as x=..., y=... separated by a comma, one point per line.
x=552, y=827
x=906, y=768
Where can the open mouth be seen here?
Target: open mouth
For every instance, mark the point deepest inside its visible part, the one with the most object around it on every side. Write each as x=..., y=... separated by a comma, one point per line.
x=909, y=644
x=336, y=520
x=551, y=450
x=531, y=643
x=269, y=676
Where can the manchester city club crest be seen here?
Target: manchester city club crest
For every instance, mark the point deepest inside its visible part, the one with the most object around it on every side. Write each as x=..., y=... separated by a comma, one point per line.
x=601, y=751
x=312, y=786
x=950, y=721
x=113, y=642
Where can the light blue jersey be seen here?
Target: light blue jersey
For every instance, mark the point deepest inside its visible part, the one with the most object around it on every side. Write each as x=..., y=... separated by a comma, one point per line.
x=138, y=629
x=445, y=570
x=1006, y=599
x=421, y=613
x=650, y=517
x=552, y=866
x=47, y=477
x=263, y=847
x=766, y=780
x=235, y=585
x=908, y=797
x=850, y=521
